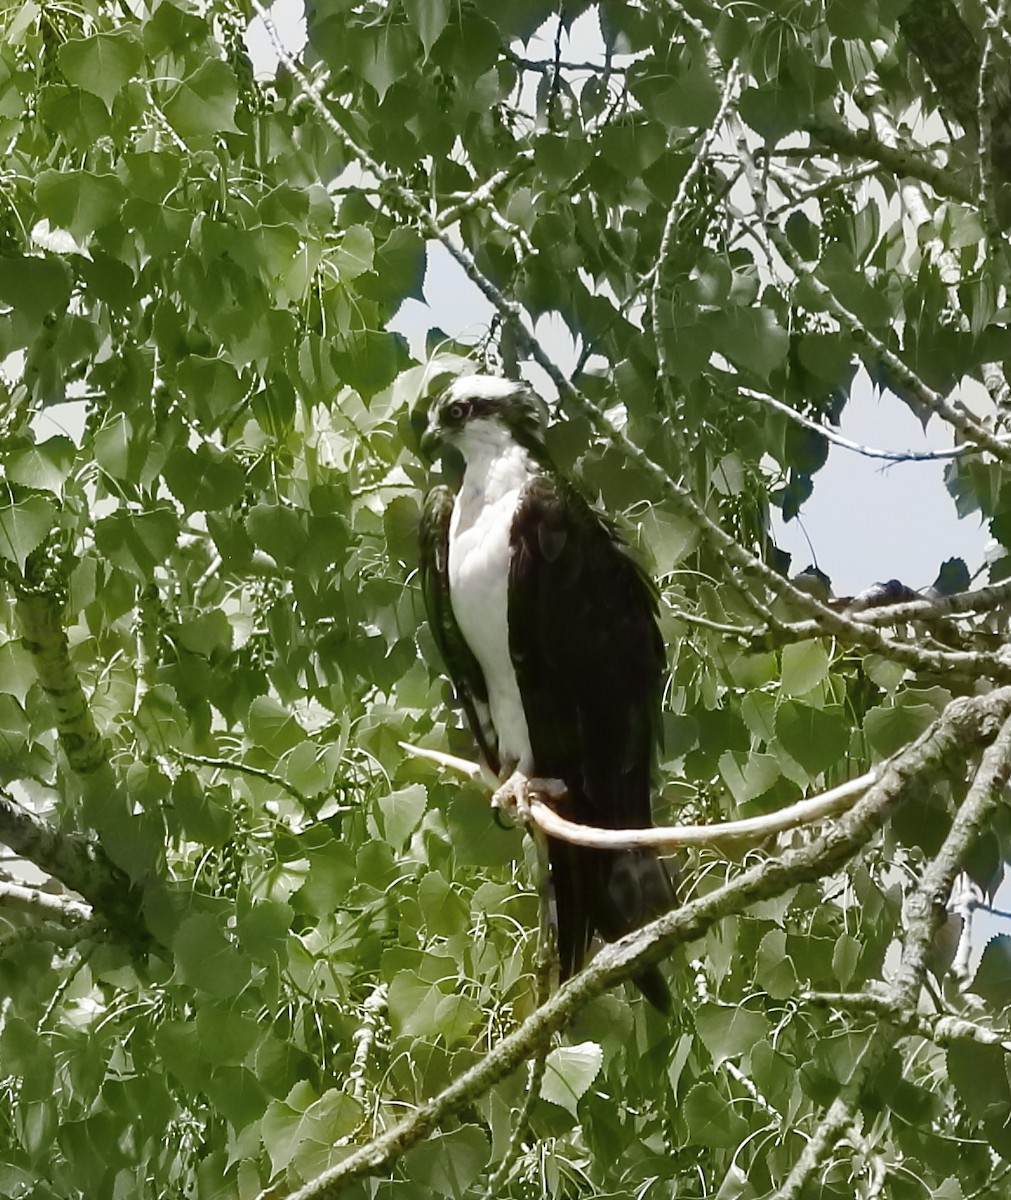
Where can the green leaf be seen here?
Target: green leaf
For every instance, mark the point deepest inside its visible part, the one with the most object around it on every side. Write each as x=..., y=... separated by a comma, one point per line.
x=890, y=728
x=748, y=774
x=354, y=255
x=205, y=634
x=204, y=480
x=477, y=839
x=979, y=1073
x=773, y=966
x=816, y=737
x=569, y=1072
x=272, y=726
x=428, y=18
x=728, y=1031
x=206, y=959
x=400, y=264
x=993, y=977
x=17, y=670
x=24, y=527
x=263, y=930
x=845, y=958
x=711, y=1120
x=45, y=465
x=402, y=812
x=79, y=200
x=204, y=103
x=449, y=1163
x=102, y=64
x=34, y=286
x=381, y=54
x=805, y=665
x=670, y=538
x=414, y=1004
x=278, y=530
x=138, y=542
x=226, y=1034
x=201, y=814
x=443, y=908
x=753, y=338
x=289, y=1124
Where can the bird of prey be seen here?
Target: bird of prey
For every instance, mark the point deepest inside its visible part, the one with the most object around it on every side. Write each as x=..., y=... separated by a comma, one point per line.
x=547, y=627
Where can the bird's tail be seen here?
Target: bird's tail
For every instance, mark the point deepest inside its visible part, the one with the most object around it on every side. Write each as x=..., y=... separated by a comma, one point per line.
x=610, y=892
x=636, y=888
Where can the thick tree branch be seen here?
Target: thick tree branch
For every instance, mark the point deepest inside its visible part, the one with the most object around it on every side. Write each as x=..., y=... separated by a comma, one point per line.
x=854, y=143
x=940, y=1028
x=37, y=903
x=40, y=617
x=947, y=50
x=966, y=722
x=77, y=861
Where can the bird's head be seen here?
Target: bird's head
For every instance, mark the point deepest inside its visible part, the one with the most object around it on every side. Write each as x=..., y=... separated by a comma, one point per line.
x=477, y=409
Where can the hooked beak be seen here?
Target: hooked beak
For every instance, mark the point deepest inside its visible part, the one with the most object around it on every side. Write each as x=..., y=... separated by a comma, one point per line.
x=431, y=441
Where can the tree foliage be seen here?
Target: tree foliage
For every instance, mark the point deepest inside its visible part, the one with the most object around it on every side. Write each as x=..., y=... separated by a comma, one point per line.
x=287, y=931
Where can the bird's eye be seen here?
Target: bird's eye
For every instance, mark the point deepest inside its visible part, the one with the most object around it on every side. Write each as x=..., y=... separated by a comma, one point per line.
x=457, y=411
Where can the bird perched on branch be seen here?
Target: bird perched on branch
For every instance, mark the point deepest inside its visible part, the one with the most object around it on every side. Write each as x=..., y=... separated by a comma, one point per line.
x=548, y=629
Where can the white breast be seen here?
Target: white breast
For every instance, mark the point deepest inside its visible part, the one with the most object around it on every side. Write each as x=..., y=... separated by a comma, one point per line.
x=479, y=553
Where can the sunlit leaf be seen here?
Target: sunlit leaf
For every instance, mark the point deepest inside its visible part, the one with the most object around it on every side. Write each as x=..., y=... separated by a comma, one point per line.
x=569, y=1073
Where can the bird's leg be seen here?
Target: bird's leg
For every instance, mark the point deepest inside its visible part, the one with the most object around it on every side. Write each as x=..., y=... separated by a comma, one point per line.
x=513, y=797
x=510, y=799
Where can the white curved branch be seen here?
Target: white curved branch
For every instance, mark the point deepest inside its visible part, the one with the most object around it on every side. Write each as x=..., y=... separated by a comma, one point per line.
x=815, y=808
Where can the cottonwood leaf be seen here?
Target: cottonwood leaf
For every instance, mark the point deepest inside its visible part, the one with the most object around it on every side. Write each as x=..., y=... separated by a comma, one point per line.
x=402, y=812
x=204, y=103
x=24, y=527
x=79, y=200
x=102, y=64
x=206, y=959
x=273, y=726
x=301, y=1117
x=449, y=1163
x=569, y=1072
x=428, y=18
x=728, y=1031
x=748, y=775
x=33, y=286
x=816, y=737
x=993, y=977
x=805, y=665
x=45, y=465
x=710, y=1119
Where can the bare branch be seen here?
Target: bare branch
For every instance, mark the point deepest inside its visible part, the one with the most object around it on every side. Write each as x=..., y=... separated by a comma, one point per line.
x=941, y=1028
x=725, y=833
x=837, y=439
x=986, y=112
x=35, y=902
x=40, y=616
x=863, y=144
x=78, y=862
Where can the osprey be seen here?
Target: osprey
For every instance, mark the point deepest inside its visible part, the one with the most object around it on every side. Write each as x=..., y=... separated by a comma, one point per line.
x=547, y=627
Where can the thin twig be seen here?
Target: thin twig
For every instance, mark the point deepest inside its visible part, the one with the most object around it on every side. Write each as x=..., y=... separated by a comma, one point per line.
x=837, y=439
